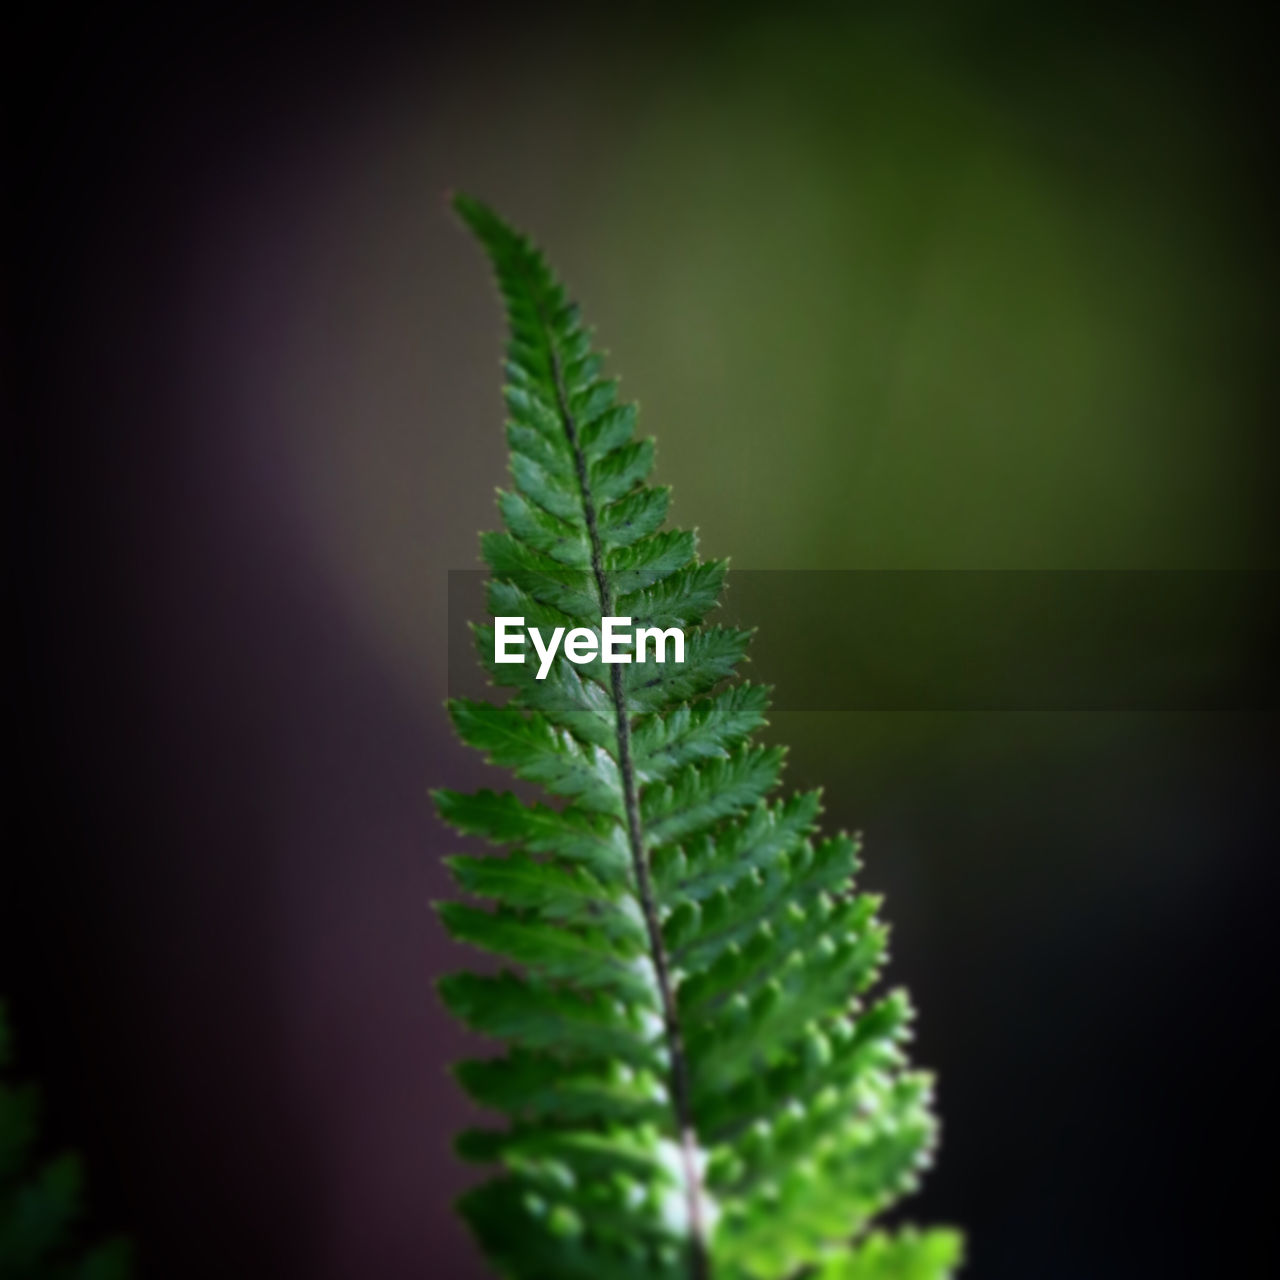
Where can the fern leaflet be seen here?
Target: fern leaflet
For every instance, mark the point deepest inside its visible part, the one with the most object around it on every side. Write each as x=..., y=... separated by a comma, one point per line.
x=41, y=1201
x=697, y=1084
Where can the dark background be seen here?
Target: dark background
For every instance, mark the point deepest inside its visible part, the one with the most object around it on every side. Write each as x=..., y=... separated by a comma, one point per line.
x=900, y=287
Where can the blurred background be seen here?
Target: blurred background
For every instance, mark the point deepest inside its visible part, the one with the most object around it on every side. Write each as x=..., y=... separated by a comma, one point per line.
x=908, y=286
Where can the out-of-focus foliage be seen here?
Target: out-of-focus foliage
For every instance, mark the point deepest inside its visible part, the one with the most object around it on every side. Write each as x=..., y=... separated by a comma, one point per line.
x=1000, y=296
x=41, y=1201
x=693, y=1086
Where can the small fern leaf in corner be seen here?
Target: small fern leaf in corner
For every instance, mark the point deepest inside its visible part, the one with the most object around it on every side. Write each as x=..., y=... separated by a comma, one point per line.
x=40, y=1201
x=697, y=1081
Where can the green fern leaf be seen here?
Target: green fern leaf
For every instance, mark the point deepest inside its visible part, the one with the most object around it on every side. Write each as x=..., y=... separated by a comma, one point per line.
x=40, y=1203
x=696, y=1083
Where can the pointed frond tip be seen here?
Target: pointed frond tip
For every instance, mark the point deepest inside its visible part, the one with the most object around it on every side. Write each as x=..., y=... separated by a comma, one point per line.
x=700, y=1081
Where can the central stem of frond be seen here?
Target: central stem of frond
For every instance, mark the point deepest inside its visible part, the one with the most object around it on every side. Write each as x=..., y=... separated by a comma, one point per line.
x=699, y=1263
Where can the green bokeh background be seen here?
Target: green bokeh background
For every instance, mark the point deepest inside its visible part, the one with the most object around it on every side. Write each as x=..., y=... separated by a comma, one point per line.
x=885, y=311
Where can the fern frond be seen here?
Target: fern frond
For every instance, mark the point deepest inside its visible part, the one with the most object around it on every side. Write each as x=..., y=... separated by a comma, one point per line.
x=696, y=1084
x=40, y=1202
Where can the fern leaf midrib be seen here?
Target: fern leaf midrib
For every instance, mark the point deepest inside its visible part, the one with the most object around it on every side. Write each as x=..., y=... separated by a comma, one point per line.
x=699, y=1266
x=747, y=1008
